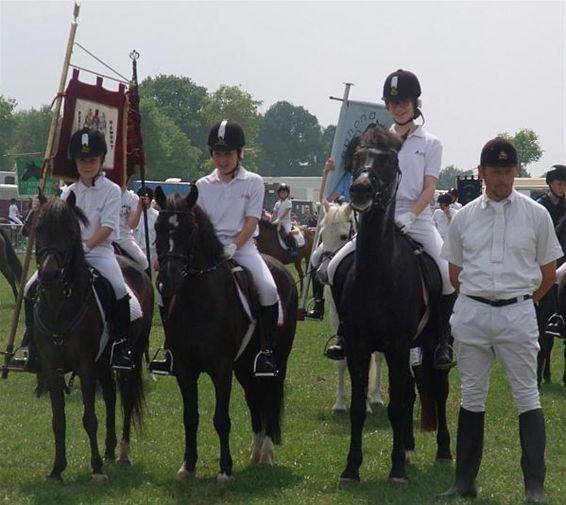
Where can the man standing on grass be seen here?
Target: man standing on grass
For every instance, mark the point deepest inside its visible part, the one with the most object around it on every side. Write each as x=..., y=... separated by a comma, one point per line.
x=502, y=253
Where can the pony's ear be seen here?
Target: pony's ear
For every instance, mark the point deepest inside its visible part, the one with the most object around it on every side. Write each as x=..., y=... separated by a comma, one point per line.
x=160, y=197
x=192, y=197
x=72, y=199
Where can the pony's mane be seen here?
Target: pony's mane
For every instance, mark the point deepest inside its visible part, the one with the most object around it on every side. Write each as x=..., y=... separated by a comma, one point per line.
x=206, y=234
x=376, y=136
x=58, y=214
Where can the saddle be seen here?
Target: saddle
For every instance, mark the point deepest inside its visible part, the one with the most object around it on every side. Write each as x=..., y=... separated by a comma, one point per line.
x=292, y=240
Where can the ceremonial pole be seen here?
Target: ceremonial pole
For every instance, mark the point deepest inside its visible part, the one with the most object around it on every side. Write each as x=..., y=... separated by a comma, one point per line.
x=334, y=153
x=134, y=55
x=43, y=176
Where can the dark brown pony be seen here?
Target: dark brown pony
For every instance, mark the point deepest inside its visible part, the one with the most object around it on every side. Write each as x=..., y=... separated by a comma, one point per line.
x=379, y=296
x=10, y=265
x=206, y=327
x=67, y=330
x=268, y=243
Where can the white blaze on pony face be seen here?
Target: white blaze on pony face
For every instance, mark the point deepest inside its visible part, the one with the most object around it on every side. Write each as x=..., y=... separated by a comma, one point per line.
x=173, y=225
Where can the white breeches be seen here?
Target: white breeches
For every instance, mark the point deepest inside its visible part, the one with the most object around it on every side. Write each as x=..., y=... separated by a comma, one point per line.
x=249, y=257
x=130, y=246
x=484, y=334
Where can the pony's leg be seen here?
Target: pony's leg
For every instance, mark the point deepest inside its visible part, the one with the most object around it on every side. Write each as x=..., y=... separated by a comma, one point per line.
x=564, y=374
x=300, y=272
x=375, y=397
x=222, y=387
x=400, y=393
x=252, y=396
x=358, y=366
x=340, y=404
x=7, y=272
x=90, y=422
x=442, y=387
x=189, y=390
x=58, y=424
x=109, y=395
x=543, y=358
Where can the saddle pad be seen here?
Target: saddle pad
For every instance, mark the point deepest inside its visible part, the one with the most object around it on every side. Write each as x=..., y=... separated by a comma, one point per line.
x=135, y=313
x=297, y=235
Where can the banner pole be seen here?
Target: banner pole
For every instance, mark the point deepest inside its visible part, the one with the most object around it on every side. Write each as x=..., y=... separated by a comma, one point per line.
x=304, y=295
x=43, y=176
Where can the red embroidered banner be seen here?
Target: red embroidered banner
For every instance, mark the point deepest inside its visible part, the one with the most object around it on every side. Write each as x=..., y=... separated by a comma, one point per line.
x=93, y=106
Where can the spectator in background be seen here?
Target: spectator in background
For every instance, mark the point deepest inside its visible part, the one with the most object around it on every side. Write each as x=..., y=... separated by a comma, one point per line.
x=454, y=197
x=14, y=215
x=443, y=215
x=130, y=213
x=146, y=202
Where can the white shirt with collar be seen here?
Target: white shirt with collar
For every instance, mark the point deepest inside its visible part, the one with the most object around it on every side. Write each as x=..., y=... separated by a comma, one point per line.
x=129, y=202
x=101, y=204
x=227, y=204
x=420, y=155
x=442, y=221
x=501, y=246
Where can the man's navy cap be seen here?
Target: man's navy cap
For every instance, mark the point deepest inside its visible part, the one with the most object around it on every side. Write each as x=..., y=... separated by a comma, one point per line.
x=499, y=152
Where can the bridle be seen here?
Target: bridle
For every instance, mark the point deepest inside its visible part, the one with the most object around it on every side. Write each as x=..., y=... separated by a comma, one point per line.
x=379, y=190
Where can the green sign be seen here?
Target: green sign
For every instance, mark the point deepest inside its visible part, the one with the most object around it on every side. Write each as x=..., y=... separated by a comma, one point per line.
x=28, y=170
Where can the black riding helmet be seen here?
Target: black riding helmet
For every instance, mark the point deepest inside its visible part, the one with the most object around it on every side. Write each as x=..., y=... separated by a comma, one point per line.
x=226, y=135
x=87, y=143
x=402, y=85
x=558, y=173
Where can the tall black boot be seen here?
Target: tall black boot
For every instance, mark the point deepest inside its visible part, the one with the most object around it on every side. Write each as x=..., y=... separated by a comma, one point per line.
x=30, y=363
x=533, y=441
x=121, y=357
x=469, y=450
x=443, y=353
x=317, y=311
x=166, y=365
x=264, y=363
x=555, y=326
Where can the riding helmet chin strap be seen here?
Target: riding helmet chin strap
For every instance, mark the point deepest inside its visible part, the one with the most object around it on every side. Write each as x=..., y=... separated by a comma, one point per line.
x=232, y=173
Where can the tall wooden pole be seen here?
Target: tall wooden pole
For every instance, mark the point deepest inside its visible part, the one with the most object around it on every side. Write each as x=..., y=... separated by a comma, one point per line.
x=43, y=177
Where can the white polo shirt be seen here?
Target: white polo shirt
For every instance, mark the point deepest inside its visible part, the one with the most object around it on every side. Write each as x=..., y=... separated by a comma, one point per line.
x=129, y=202
x=101, y=204
x=229, y=203
x=501, y=246
x=442, y=221
x=420, y=155
x=280, y=207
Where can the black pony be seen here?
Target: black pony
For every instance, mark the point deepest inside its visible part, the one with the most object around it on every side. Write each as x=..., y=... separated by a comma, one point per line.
x=67, y=331
x=379, y=297
x=10, y=265
x=546, y=307
x=206, y=327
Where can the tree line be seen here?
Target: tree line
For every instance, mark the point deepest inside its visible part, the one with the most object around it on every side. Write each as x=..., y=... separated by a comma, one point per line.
x=177, y=114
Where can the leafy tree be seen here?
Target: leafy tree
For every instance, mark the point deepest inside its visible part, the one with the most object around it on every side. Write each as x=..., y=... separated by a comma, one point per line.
x=291, y=141
x=32, y=128
x=327, y=139
x=7, y=130
x=182, y=101
x=449, y=175
x=528, y=148
x=169, y=152
x=231, y=102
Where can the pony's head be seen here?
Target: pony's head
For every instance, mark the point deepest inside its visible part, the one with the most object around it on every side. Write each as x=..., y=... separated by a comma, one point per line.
x=376, y=169
x=336, y=225
x=58, y=239
x=185, y=240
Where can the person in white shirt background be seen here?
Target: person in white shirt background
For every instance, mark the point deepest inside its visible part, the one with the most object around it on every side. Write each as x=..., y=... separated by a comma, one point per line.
x=130, y=213
x=145, y=195
x=444, y=214
x=281, y=216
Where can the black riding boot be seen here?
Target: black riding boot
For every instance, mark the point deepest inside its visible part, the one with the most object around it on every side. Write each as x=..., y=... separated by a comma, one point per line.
x=292, y=245
x=533, y=441
x=555, y=325
x=164, y=366
x=443, y=353
x=337, y=350
x=121, y=357
x=469, y=449
x=32, y=363
x=317, y=311
x=264, y=363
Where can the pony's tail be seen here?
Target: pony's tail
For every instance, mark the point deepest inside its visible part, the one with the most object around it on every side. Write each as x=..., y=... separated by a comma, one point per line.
x=133, y=396
x=12, y=257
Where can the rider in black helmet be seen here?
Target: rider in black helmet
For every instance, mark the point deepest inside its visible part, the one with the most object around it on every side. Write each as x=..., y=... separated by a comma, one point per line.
x=281, y=217
x=555, y=202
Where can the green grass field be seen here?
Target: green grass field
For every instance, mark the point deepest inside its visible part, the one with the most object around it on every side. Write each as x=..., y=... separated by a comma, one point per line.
x=307, y=464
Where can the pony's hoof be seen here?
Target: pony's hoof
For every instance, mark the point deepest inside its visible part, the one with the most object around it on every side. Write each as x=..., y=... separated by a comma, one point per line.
x=223, y=478
x=339, y=407
x=377, y=404
x=266, y=459
x=347, y=481
x=255, y=458
x=398, y=481
x=99, y=478
x=54, y=477
x=124, y=462
x=184, y=474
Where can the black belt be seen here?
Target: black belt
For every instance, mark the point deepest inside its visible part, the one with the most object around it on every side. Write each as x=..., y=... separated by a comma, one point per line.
x=500, y=303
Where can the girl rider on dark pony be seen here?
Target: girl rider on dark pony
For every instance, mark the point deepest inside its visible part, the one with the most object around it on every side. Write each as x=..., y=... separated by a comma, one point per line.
x=555, y=203
x=419, y=163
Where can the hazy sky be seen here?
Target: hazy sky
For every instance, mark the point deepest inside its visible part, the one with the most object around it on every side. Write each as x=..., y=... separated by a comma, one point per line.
x=484, y=66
